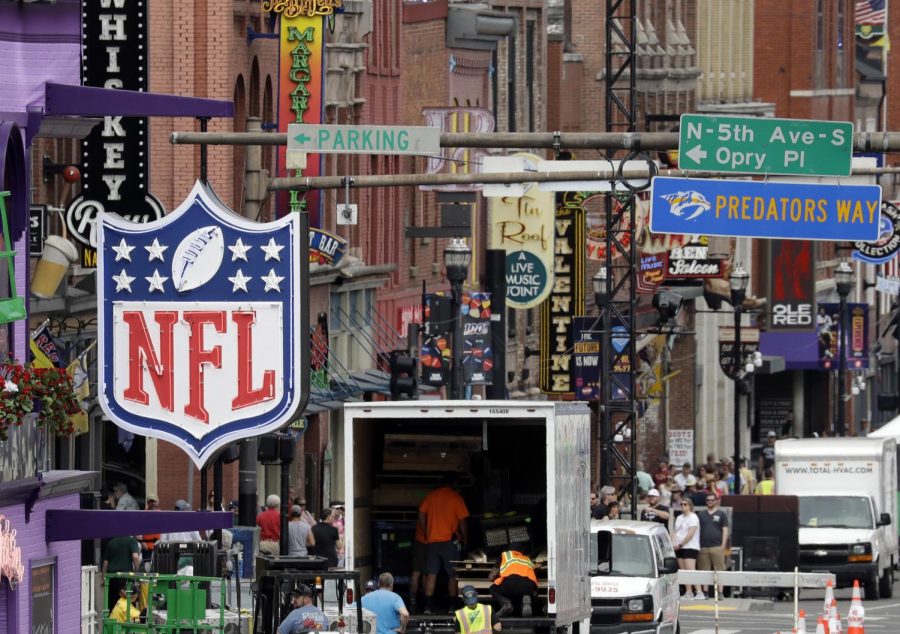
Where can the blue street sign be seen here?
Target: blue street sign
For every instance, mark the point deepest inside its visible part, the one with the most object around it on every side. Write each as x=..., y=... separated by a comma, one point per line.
x=758, y=209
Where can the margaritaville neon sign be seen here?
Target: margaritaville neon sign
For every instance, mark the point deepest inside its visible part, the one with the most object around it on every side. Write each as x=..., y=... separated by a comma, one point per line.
x=296, y=8
x=10, y=554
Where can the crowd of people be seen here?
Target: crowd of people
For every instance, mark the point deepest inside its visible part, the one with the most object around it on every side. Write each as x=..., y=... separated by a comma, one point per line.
x=687, y=500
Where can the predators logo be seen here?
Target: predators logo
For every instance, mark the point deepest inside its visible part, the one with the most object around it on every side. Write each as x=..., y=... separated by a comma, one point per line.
x=684, y=203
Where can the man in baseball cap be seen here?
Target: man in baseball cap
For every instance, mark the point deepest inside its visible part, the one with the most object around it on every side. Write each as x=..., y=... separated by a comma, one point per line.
x=655, y=512
x=475, y=617
x=305, y=615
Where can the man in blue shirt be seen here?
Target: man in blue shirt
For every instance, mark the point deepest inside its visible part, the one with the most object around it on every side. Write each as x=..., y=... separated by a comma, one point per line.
x=391, y=614
x=306, y=616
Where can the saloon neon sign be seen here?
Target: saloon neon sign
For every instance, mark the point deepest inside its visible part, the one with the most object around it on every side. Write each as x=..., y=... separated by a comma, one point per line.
x=10, y=554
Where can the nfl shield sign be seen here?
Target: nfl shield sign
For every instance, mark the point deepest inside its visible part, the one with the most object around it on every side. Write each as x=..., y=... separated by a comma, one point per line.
x=202, y=324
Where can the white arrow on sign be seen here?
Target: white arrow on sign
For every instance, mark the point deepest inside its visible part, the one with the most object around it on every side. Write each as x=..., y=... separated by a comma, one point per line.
x=696, y=154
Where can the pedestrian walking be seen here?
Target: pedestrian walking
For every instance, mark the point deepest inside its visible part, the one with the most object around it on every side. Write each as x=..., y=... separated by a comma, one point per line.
x=655, y=512
x=686, y=540
x=475, y=617
x=766, y=486
x=300, y=534
x=269, y=522
x=326, y=538
x=124, y=500
x=713, y=536
x=607, y=497
x=122, y=554
x=390, y=612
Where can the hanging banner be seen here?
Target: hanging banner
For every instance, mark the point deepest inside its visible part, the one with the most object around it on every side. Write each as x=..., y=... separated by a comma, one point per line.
x=478, y=355
x=300, y=89
x=318, y=358
x=792, y=285
x=202, y=325
x=434, y=355
x=523, y=227
x=115, y=156
x=856, y=348
x=586, y=337
x=566, y=297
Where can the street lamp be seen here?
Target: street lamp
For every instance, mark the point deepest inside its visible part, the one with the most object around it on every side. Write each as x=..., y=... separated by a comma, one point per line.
x=738, y=283
x=843, y=282
x=457, y=257
x=599, y=282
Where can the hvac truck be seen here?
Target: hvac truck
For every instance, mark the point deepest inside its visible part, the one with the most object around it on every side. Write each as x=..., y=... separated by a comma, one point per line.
x=523, y=469
x=847, y=490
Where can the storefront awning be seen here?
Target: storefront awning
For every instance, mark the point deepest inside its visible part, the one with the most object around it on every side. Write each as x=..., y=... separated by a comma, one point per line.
x=800, y=350
x=87, y=101
x=69, y=525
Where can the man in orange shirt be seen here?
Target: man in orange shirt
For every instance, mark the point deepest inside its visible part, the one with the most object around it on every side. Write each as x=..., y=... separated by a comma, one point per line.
x=442, y=515
x=418, y=566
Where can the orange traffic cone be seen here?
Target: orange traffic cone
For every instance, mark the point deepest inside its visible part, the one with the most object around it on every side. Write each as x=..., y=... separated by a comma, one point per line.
x=834, y=619
x=856, y=616
x=801, y=623
x=829, y=597
x=821, y=626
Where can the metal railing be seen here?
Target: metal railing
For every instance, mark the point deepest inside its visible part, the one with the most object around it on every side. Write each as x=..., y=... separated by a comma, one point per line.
x=90, y=617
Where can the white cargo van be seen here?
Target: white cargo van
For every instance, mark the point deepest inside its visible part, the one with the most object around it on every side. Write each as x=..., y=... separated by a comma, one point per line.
x=847, y=490
x=513, y=459
x=634, y=578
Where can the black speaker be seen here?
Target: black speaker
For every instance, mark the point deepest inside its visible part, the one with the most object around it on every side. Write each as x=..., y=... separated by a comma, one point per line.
x=267, y=449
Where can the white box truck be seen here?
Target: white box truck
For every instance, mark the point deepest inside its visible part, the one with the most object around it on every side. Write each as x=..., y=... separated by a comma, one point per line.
x=513, y=459
x=847, y=491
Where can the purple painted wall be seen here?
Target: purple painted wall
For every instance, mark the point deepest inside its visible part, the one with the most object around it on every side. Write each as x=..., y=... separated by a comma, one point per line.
x=38, y=43
x=30, y=538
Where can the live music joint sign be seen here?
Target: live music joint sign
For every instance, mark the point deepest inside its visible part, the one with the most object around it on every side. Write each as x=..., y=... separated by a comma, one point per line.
x=761, y=145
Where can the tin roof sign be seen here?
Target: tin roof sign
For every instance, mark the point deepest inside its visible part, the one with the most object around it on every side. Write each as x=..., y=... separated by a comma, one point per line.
x=202, y=325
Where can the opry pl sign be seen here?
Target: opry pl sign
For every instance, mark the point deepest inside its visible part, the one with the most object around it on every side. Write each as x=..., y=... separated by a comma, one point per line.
x=203, y=325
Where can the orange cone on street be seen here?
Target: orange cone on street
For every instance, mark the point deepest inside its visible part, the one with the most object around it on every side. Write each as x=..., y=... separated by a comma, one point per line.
x=801, y=623
x=829, y=597
x=856, y=616
x=834, y=619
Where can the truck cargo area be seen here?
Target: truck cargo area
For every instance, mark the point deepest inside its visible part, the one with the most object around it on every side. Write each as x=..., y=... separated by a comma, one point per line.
x=500, y=466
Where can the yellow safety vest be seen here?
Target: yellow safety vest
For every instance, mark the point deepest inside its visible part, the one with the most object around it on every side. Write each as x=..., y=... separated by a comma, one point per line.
x=476, y=620
x=766, y=487
x=512, y=562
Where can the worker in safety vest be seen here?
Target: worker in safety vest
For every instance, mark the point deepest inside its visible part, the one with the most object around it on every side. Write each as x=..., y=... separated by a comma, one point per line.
x=475, y=618
x=514, y=581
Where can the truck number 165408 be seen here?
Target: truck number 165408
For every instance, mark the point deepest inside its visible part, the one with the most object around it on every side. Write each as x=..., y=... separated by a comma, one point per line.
x=499, y=410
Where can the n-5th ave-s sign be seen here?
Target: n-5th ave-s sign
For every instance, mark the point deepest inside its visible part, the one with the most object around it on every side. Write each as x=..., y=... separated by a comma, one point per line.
x=759, y=145
x=363, y=139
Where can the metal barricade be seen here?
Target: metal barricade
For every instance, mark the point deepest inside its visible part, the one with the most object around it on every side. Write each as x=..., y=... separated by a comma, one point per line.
x=90, y=617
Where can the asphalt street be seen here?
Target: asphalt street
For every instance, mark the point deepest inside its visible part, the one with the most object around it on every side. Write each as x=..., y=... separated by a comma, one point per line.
x=758, y=616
